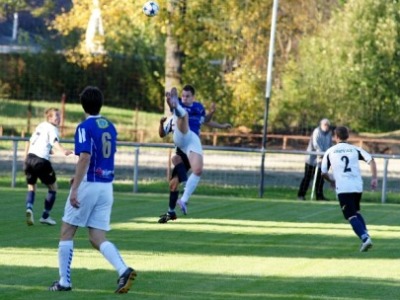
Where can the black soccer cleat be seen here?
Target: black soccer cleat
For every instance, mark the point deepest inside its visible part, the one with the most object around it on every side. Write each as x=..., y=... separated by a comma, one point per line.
x=167, y=217
x=57, y=287
x=125, y=281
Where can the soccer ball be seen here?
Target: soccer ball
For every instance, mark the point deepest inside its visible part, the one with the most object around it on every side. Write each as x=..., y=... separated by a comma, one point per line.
x=151, y=8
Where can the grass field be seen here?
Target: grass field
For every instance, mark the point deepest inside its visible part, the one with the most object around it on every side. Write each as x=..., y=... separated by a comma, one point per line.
x=226, y=248
x=14, y=117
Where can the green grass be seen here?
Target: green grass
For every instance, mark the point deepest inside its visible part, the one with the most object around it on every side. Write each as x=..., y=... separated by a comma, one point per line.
x=204, y=189
x=226, y=248
x=14, y=116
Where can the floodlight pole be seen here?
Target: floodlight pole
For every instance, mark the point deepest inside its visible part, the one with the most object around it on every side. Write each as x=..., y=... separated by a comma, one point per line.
x=268, y=92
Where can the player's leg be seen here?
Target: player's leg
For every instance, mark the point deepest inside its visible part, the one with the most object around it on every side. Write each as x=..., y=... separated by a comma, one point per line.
x=358, y=210
x=72, y=219
x=31, y=179
x=98, y=223
x=112, y=255
x=30, y=200
x=182, y=120
x=196, y=162
x=48, y=177
x=179, y=176
x=348, y=205
x=194, y=153
x=65, y=255
x=173, y=198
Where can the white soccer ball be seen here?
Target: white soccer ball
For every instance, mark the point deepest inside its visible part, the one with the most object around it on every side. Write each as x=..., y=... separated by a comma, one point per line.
x=151, y=8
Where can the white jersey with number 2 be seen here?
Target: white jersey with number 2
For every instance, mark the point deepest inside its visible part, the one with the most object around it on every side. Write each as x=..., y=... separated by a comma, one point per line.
x=344, y=159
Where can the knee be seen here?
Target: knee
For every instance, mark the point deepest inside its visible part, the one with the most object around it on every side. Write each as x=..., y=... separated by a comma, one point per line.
x=197, y=171
x=53, y=187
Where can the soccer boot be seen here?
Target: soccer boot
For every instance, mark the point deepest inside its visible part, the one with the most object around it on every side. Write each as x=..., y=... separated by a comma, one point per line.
x=29, y=217
x=57, y=287
x=167, y=217
x=48, y=221
x=125, y=281
x=366, y=245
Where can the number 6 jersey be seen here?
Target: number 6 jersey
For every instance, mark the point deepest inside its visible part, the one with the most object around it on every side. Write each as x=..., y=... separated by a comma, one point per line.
x=344, y=159
x=98, y=137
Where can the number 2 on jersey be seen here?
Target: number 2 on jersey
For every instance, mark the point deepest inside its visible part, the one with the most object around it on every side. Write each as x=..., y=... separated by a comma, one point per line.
x=346, y=164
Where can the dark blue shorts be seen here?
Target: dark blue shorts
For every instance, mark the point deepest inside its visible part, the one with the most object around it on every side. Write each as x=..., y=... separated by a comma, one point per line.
x=349, y=203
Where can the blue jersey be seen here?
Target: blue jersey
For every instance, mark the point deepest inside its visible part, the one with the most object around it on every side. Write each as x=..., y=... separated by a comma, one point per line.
x=98, y=137
x=196, y=114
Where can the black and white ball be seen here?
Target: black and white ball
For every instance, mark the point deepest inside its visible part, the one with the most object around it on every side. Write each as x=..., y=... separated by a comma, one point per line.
x=151, y=8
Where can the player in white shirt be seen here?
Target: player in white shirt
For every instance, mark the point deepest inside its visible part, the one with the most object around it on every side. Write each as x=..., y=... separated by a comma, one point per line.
x=38, y=165
x=344, y=159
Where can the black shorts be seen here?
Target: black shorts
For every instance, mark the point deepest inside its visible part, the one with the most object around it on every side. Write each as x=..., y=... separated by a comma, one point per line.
x=37, y=167
x=185, y=161
x=349, y=203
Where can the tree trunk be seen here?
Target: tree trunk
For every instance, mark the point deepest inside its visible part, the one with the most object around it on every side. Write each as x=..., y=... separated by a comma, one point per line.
x=173, y=55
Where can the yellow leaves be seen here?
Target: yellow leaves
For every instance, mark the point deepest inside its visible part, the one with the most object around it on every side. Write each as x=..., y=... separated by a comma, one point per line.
x=121, y=20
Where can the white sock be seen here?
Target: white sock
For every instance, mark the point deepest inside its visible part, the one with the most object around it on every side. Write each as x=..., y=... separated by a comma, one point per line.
x=65, y=253
x=191, y=185
x=111, y=253
x=179, y=111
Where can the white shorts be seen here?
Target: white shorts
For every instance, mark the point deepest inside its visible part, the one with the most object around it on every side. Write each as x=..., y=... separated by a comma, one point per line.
x=96, y=200
x=189, y=142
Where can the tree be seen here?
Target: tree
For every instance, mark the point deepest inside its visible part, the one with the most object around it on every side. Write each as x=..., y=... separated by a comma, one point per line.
x=351, y=65
x=219, y=46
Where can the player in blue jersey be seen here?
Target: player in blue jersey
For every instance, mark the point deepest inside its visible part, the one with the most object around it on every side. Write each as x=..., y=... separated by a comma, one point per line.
x=196, y=117
x=91, y=196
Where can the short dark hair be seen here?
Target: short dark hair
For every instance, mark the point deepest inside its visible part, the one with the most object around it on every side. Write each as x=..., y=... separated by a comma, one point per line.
x=189, y=88
x=91, y=100
x=342, y=132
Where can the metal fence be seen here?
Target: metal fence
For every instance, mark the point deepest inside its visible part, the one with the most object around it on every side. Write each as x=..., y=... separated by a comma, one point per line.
x=138, y=163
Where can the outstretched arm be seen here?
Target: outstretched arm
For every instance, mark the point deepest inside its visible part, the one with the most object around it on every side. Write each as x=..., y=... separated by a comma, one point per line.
x=210, y=114
x=60, y=148
x=214, y=124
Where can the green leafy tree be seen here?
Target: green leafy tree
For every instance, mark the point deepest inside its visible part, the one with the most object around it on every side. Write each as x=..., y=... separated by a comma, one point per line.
x=218, y=46
x=348, y=71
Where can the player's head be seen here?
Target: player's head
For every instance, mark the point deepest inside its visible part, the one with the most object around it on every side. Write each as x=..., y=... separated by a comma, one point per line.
x=91, y=100
x=342, y=133
x=324, y=124
x=188, y=93
x=52, y=116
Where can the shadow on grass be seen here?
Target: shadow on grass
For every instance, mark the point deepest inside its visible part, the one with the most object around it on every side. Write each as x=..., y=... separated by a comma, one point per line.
x=32, y=283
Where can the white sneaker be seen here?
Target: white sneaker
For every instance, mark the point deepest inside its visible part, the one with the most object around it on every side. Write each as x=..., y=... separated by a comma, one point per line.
x=48, y=221
x=366, y=245
x=29, y=217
